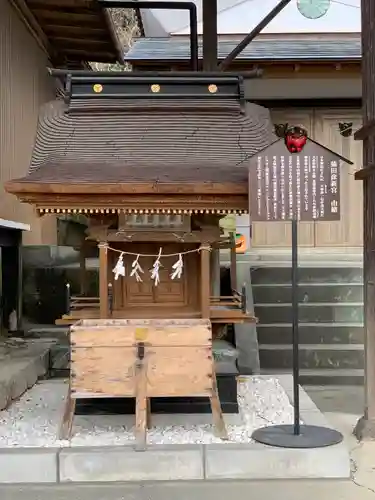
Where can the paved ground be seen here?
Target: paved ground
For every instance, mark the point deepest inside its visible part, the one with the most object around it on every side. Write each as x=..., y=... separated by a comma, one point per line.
x=342, y=407
x=272, y=490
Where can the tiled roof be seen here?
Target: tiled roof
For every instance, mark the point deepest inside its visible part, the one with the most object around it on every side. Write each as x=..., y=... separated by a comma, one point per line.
x=177, y=49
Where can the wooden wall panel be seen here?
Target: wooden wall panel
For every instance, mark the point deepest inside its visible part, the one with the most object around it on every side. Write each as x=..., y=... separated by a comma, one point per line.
x=348, y=231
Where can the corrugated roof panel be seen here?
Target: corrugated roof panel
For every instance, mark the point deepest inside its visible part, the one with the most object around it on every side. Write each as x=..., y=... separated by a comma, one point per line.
x=167, y=49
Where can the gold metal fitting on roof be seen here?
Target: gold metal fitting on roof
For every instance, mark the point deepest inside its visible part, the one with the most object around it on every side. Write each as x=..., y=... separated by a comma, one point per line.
x=97, y=88
x=212, y=88
x=155, y=88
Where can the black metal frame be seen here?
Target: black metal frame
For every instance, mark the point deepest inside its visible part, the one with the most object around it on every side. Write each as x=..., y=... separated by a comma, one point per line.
x=83, y=85
x=168, y=5
x=296, y=435
x=253, y=34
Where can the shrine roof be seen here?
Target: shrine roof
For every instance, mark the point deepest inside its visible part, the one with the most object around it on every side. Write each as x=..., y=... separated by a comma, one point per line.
x=119, y=138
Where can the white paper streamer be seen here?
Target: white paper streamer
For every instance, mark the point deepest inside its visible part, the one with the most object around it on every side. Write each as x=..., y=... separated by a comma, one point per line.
x=119, y=269
x=155, y=269
x=177, y=268
x=136, y=270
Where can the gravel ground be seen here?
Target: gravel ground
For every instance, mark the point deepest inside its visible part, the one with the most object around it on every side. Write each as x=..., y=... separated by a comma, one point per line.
x=34, y=419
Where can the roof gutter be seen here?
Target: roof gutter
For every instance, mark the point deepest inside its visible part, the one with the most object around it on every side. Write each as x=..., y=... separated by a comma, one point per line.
x=167, y=5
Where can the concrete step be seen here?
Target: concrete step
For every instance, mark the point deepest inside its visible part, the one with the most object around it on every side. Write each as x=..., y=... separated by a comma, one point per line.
x=312, y=356
x=311, y=333
x=60, y=333
x=308, y=292
x=20, y=368
x=307, y=275
x=318, y=312
x=322, y=377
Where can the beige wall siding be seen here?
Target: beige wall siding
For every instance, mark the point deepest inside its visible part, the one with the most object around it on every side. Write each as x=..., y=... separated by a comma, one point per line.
x=323, y=126
x=347, y=232
x=24, y=86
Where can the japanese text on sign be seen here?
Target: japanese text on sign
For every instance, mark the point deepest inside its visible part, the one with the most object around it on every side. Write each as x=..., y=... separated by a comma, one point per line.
x=304, y=185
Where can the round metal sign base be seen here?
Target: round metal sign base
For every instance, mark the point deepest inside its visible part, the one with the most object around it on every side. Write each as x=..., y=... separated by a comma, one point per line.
x=310, y=436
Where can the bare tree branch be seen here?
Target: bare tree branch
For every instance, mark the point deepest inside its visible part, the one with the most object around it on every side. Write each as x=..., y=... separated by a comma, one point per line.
x=126, y=24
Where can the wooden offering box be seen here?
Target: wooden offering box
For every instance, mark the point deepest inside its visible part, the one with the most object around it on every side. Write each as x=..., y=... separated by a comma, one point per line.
x=142, y=359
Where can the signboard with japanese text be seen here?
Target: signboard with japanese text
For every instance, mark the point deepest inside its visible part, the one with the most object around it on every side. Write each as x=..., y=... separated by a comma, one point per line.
x=304, y=185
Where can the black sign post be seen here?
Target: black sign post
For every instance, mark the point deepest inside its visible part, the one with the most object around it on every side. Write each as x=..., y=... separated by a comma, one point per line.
x=303, y=186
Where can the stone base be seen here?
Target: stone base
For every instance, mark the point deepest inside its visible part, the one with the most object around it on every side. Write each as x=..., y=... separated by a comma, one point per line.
x=227, y=386
x=204, y=463
x=365, y=429
x=21, y=367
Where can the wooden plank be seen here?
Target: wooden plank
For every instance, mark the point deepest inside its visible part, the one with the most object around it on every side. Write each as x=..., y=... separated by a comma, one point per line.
x=100, y=55
x=76, y=31
x=235, y=295
x=84, y=303
x=205, y=283
x=103, y=280
x=69, y=17
x=62, y=4
x=68, y=417
x=237, y=321
x=140, y=405
x=75, y=297
x=229, y=313
x=149, y=323
x=233, y=262
x=217, y=414
x=366, y=131
x=194, y=237
x=193, y=191
x=172, y=371
x=157, y=334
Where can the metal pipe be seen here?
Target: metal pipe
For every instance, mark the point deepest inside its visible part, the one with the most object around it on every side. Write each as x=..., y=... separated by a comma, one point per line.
x=295, y=322
x=209, y=17
x=168, y=5
x=254, y=33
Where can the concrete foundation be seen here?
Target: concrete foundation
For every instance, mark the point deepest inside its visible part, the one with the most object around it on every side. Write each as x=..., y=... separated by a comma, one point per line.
x=179, y=462
x=21, y=364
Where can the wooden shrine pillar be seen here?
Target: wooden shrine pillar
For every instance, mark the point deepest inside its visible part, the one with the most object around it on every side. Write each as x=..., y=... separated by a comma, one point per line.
x=366, y=425
x=215, y=272
x=82, y=269
x=103, y=280
x=233, y=262
x=205, y=282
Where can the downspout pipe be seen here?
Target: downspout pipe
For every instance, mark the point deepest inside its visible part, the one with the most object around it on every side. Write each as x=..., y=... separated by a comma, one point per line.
x=168, y=5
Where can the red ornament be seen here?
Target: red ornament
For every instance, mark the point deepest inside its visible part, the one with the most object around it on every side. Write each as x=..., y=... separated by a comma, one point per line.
x=295, y=139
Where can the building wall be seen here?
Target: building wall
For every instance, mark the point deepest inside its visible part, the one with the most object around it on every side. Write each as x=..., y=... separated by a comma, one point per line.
x=323, y=126
x=24, y=86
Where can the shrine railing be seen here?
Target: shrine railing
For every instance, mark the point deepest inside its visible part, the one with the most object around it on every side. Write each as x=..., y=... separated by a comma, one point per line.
x=237, y=300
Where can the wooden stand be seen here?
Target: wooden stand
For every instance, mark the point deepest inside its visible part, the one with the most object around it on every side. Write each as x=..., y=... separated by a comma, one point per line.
x=142, y=359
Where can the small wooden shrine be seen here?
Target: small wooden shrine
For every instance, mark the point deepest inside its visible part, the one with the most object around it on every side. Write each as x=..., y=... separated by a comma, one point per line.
x=154, y=162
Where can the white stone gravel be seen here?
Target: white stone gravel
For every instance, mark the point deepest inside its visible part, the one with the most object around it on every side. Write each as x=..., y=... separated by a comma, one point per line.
x=34, y=420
